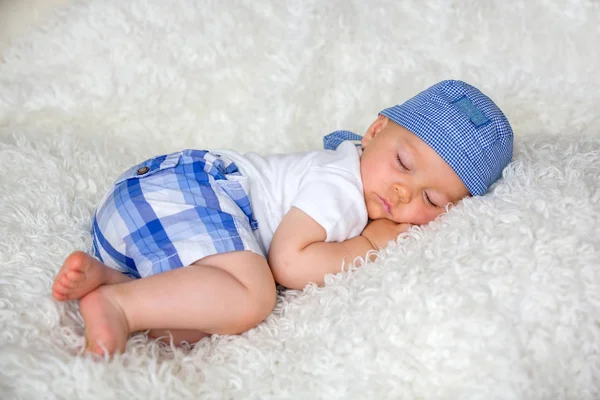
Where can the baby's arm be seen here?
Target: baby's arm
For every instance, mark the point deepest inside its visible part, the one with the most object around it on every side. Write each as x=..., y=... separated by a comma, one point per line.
x=299, y=254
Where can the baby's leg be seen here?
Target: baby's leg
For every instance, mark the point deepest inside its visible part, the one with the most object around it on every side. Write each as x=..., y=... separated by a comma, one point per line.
x=177, y=335
x=225, y=293
x=82, y=273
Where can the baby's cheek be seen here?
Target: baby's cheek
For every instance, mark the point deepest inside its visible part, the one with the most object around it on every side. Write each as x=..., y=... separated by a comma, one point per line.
x=374, y=210
x=421, y=215
x=432, y=214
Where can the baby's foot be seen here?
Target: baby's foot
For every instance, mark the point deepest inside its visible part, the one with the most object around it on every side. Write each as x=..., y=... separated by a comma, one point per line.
x=80, y=274
x=106, y=327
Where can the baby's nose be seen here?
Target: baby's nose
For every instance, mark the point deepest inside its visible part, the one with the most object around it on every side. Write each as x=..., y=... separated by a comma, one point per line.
x=403, y=193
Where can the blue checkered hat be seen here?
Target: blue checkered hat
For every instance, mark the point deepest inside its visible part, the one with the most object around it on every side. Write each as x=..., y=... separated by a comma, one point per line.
x=464, y=126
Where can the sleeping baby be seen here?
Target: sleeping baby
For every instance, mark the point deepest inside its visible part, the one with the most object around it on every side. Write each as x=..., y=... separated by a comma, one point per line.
x=211, y=232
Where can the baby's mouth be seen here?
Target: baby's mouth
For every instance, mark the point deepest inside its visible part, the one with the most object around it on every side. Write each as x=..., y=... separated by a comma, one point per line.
x=386, y=204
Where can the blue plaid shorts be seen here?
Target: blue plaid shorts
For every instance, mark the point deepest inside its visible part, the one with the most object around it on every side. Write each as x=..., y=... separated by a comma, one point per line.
x=173, y=210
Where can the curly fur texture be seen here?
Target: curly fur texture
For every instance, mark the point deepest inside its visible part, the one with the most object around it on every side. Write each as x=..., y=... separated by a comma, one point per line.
x=497, y=299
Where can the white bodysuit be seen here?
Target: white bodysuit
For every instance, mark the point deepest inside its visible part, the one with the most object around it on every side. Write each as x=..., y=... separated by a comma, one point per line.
x=325, y=184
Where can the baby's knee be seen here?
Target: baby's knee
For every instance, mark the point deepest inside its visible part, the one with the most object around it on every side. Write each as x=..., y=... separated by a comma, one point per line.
x=259, y=305
x=257, y=292
x=266, y=303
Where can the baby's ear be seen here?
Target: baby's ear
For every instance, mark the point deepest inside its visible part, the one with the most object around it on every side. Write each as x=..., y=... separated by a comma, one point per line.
x=374, y=129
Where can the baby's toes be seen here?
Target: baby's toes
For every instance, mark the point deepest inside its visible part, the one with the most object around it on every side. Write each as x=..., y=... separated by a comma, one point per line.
x=64, y=284
x=59, y=296
x=73, y=277
x=59, y=292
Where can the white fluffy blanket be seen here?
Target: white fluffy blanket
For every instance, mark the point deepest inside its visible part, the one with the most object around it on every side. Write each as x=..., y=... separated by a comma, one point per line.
x=498, y=299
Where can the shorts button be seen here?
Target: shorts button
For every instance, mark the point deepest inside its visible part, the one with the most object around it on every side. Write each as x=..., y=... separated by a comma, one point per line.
x=143, y=170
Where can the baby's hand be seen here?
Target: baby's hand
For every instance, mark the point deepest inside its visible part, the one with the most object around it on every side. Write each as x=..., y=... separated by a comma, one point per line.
x=380, y=231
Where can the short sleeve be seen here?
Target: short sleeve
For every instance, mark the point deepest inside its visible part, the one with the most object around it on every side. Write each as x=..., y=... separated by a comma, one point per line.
x=333, y=197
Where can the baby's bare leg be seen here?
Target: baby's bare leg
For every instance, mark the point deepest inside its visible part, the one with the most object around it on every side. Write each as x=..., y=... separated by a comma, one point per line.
x=178, y=335
x=226, y=293
x=82, y=273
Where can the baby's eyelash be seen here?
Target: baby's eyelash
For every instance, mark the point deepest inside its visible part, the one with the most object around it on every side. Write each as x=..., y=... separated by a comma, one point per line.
x=400, y=163
x=428, y=200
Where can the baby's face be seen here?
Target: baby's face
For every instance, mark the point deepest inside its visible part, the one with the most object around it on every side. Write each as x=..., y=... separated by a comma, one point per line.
x=404, y=179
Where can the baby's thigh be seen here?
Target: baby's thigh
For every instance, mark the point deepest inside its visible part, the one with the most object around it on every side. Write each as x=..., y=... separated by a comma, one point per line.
x=251, y=269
